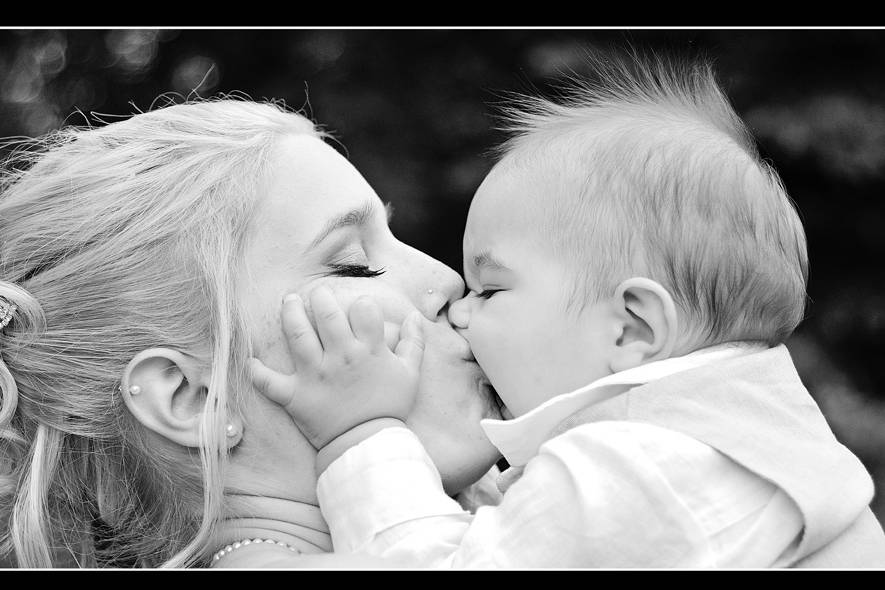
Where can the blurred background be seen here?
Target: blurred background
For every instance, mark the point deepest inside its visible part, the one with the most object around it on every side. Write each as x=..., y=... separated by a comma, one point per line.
x=414, y=111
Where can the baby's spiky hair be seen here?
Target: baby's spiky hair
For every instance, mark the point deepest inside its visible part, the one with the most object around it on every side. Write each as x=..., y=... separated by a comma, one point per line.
x=649, y=171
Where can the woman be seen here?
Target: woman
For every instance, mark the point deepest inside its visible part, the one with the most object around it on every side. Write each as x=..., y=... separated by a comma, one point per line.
x=141, y=264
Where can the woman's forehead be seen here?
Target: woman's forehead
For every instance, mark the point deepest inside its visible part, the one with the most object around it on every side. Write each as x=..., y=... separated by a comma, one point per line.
x=310, y=183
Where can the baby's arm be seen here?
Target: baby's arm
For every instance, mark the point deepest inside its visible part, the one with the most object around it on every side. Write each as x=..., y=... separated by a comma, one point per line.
x=589, y=498
x=599, y=495
x=347, y=384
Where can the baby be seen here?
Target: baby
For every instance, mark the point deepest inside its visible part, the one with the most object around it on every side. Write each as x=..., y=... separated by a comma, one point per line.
x=634, y=268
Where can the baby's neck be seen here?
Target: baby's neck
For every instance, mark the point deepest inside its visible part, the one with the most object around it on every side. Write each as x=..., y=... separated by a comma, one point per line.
x=295, y=523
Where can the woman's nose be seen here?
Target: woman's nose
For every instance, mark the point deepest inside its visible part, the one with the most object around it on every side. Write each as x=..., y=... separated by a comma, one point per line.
x=459, y=313
x=434, y=285
x=446, y=287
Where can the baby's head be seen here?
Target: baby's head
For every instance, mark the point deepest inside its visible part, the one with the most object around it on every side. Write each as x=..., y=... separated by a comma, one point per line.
x=630, y=222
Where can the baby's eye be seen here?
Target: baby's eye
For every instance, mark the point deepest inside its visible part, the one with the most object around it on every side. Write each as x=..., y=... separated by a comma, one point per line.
x=487, y=294
x=354, y=270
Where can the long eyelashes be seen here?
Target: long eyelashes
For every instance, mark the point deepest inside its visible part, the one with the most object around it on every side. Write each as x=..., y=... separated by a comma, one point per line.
x=354, y=270
x=487, y=293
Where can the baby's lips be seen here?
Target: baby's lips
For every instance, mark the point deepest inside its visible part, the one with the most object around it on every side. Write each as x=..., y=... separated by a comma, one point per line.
x=464, y=347
x=468, y=354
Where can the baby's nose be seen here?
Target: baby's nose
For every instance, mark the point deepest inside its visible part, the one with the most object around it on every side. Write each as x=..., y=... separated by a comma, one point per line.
x=459, y=313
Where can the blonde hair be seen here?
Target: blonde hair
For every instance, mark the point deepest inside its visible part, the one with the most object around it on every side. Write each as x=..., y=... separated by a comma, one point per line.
x=115, y=239
x=650, y=170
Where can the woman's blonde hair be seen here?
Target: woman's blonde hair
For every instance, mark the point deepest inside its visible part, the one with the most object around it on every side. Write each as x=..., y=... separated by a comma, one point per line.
x=115, y=239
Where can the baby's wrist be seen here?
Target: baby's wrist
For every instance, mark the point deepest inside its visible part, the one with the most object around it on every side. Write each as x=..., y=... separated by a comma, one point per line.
x=336, y=447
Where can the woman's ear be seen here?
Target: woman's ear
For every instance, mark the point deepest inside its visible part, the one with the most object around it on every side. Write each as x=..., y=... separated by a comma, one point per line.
x=648, y=323
x=165, y=390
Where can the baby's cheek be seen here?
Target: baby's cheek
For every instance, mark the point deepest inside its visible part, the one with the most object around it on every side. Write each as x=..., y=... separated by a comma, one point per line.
x=488, y=339
x=500, y=350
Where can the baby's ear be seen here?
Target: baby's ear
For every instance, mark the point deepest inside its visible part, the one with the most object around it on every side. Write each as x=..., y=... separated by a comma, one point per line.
x=648, y=323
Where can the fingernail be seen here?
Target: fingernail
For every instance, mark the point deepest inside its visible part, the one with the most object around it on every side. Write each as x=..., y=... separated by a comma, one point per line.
x=292, y=297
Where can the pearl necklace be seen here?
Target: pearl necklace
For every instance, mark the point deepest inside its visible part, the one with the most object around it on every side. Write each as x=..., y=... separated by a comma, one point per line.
x=244, y=542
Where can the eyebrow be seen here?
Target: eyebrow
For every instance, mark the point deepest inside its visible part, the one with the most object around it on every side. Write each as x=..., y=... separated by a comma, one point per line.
x=487, y=259
x=354, y=217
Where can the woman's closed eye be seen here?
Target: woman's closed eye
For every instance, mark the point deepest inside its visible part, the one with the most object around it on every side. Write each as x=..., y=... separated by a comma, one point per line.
x=354, y=270
x=351, y=261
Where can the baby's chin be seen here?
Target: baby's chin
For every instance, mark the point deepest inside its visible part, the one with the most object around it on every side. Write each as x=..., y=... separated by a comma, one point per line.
x=497, y=408
x=505, y=413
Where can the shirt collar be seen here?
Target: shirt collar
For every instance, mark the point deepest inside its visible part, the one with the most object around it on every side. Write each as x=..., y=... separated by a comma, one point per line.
x=519, y=439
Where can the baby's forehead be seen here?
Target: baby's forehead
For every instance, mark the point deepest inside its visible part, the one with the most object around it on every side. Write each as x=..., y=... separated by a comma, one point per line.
x=509, y=196
x=507, y=213
x=529, y=184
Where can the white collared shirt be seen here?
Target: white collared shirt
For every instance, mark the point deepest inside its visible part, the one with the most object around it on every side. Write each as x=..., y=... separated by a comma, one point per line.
x=607, y=494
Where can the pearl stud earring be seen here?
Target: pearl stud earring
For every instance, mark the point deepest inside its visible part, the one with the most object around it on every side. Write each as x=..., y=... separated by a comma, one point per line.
x=134, y=390
x=430, y=291
x=231, y=430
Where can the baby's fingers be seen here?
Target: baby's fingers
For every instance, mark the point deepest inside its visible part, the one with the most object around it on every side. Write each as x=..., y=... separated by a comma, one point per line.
x=411, y=342
x=332, y=325
x=273, y=385
x=367, y=323
x=391, y=335
x=302, y=340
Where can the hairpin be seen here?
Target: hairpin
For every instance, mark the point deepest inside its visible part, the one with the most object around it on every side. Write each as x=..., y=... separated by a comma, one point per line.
x=6, y=311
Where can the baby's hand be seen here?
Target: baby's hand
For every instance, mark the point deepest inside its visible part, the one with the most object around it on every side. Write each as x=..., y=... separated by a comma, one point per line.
x=345, y=374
